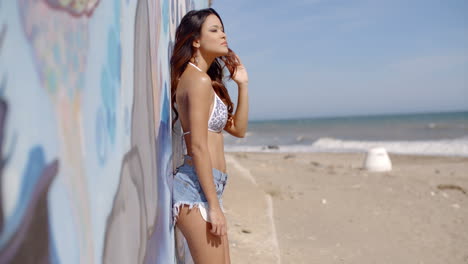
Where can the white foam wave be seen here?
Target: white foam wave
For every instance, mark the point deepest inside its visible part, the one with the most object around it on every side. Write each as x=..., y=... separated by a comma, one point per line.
x=447, y=147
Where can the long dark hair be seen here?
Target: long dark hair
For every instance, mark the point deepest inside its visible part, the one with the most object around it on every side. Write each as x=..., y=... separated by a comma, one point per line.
x=188, y=30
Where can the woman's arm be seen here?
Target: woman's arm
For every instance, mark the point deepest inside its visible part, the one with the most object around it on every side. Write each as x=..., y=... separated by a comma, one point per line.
x=241, y=116
x=200, y=95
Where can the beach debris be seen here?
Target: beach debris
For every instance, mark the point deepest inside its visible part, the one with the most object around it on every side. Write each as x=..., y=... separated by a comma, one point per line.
x=324, y=201
x=271, y=147
x=456, y=206
x=274, y=192
x=289, y=156
x=246, y=231
x=437, y=171
x=241, y=155
x=451, y=187
x=432, y=193
x=316, y=164
x=377, y=160
x=295, y=195
x=233, y=242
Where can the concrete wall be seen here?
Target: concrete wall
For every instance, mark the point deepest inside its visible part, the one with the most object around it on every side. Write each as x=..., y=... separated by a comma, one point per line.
x=85, y=137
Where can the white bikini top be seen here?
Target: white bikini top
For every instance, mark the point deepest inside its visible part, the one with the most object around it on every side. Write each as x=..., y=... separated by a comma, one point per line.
x=219, y=114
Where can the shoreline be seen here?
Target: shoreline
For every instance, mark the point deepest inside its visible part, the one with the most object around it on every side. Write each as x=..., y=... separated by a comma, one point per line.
x=234, y=152
x=325, y=208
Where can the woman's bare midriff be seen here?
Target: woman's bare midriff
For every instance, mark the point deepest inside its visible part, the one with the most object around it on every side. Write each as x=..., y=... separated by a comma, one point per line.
x=215, y=148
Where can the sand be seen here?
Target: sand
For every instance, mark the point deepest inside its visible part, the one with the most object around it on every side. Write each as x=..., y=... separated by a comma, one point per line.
x=324, y=208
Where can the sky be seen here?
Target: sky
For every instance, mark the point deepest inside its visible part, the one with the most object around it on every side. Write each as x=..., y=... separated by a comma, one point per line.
x=322, y=58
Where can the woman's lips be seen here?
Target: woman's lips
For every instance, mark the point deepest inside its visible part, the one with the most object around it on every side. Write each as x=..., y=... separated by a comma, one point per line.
x=224, y=43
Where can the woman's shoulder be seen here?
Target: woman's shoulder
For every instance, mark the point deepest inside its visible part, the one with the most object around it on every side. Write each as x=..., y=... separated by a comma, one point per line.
x=195, y=81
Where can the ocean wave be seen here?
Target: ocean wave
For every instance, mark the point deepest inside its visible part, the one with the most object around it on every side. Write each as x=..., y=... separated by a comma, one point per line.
x=446, y=126
x=447, y=147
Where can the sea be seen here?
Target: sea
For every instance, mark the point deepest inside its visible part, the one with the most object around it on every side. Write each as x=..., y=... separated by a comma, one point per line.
x=443, y=134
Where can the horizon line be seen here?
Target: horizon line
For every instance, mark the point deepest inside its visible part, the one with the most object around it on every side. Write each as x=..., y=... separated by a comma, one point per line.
x=360, y=115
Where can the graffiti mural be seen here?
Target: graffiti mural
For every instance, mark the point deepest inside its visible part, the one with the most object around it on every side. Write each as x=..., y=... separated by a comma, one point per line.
x=85, y=137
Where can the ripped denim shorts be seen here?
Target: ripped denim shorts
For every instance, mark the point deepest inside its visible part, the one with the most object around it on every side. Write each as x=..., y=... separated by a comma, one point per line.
x=187, y=190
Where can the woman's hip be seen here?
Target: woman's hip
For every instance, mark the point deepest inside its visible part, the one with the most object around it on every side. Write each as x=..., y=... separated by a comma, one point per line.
x=186, y=184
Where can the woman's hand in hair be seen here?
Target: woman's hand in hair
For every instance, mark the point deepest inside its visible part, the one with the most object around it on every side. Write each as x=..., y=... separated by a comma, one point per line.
x=240, y=76
x=218, y=221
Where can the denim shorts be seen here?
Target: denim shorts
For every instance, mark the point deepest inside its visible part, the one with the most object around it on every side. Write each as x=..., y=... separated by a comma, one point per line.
x=186, y=189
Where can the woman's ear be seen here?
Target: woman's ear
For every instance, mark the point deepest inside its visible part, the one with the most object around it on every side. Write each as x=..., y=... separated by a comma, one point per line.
x=196, y=44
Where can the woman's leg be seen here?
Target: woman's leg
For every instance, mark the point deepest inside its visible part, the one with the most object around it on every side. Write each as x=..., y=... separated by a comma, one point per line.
x=204, y=246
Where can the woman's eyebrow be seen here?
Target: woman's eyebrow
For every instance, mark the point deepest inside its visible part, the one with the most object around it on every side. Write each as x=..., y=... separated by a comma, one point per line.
x=216, y=26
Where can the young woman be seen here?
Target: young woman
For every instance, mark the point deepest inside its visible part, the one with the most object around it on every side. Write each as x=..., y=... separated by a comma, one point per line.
x=202, y=103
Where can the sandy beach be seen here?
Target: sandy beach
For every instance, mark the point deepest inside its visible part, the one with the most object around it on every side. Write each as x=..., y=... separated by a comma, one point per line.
x=324, y=208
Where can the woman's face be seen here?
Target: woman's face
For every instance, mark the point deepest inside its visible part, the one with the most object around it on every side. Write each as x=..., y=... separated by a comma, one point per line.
x=212, y=38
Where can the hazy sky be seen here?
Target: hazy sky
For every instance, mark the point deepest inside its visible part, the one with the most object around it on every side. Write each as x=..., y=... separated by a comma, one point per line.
x=313, y=58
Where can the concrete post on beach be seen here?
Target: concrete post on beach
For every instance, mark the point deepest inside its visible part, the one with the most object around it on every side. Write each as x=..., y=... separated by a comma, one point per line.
x=377, y=160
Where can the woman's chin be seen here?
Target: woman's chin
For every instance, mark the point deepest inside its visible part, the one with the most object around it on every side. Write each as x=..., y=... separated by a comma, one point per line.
x=223, y=52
